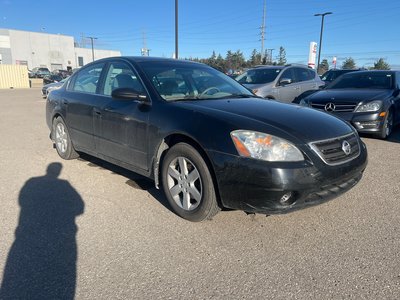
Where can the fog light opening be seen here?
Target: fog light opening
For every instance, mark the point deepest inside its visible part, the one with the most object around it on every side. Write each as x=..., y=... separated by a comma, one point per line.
x=287, y=199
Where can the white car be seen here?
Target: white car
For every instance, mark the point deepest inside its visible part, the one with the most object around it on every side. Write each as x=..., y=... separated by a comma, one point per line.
x=282, y=83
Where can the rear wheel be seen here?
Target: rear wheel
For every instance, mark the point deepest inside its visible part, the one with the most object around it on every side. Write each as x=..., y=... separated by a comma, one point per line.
x=188, y=184
x=387, y=125
x=62, y=140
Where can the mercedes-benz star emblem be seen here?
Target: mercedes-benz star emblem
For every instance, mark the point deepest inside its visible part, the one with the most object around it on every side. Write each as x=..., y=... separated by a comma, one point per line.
x=330, y=107
x=346, y=147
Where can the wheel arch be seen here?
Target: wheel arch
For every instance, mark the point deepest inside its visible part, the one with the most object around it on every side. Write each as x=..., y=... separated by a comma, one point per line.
x=173, y=139
x=55, y=116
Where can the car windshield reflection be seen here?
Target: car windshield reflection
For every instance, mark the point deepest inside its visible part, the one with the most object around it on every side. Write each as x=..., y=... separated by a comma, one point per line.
x=177, y=82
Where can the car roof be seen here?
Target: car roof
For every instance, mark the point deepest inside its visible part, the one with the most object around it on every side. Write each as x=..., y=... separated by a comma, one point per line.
x=268, y=67
x=139, y=59
x=375, y=71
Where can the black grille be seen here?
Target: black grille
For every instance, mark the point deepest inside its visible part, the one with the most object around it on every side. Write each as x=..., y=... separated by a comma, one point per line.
x=332, y=151
x=339, y=107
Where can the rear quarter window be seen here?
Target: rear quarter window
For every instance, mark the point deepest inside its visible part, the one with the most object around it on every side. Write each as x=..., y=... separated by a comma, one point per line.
x=87, y=79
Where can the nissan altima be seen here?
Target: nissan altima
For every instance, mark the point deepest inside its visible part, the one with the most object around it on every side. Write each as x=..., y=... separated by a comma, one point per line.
x=204, y=138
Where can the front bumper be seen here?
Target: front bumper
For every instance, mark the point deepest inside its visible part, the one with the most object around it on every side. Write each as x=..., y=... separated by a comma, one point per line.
x=363, y=122
x=257, y=186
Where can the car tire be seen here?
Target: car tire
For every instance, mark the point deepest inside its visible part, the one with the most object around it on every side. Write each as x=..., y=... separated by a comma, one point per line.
x=387, y=125
x=188, y=184
x=62, y=140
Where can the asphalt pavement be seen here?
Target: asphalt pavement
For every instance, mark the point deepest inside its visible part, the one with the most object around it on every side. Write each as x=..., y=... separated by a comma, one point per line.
x=85, y=229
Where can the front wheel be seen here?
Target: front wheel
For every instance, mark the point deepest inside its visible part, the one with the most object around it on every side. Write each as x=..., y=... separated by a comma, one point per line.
x=62, y=140
x=188, y=184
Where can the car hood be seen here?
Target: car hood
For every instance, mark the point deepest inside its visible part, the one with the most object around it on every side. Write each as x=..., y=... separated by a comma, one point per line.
x=348, y=95
x=290, y=121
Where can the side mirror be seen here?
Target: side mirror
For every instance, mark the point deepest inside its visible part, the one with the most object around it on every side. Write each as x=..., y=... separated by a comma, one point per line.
x=285, y=81
x=129, y=95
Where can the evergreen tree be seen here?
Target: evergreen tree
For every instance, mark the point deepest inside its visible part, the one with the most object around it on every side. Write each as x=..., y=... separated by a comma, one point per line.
x=323, y=66
x=349, y=63
x=255, y=59
x=281, y=57
x=381, y=65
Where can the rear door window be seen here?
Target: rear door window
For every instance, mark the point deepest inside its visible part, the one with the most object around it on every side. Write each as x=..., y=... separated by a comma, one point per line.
x=303, y=74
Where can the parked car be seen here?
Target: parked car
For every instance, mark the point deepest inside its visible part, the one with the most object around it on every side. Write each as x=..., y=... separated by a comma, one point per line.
x=369, y=100
x=62, y=73
x=40, y=72
x=282, y=83
x=332, y=74
x=46, y=89
x=204, y=137
x=51, y=79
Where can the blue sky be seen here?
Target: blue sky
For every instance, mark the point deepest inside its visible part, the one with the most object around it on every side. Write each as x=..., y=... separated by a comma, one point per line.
x=363, y=29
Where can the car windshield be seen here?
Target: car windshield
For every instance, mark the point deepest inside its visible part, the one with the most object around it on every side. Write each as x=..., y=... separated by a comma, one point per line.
x=176, y=81
x=258, y=76
x=356, y=80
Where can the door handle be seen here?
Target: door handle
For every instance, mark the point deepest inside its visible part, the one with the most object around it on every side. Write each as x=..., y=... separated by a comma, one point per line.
x=97, y=111
x=65, y=102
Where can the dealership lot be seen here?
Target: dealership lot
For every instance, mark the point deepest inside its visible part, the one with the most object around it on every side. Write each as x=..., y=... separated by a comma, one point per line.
x=131, y=246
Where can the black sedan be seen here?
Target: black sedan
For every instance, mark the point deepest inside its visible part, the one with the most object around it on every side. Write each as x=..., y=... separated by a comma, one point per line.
x=52, y=79
x=206, y=139
x=369, y=100
x=47, y=88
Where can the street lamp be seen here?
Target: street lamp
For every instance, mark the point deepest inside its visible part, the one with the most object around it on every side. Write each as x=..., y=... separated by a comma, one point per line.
x=320, y=35
x=176, y=30
x=91, y=39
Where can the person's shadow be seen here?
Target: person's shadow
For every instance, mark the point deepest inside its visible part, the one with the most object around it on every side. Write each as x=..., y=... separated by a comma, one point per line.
x=42, y=261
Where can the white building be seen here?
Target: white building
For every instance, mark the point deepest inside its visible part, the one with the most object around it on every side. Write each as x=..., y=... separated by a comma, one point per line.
x=38, y=49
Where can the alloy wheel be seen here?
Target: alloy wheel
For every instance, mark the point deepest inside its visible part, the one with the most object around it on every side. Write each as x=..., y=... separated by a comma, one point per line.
x=61, y=138
x=184, y=183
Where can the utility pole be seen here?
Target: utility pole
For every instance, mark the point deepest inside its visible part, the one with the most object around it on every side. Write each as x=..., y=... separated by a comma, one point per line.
x=145, y=51
x=91, y=39
x=176, y=30
x=263, y=30
x=270, y=54
x=320, y=35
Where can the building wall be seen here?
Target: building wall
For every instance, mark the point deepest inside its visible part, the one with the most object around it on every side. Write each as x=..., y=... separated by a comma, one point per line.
x=38, y=49
x=5, y=47
x=86, y=55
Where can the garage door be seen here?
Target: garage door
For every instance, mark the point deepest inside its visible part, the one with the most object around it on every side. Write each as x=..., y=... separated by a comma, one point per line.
x=56, y=67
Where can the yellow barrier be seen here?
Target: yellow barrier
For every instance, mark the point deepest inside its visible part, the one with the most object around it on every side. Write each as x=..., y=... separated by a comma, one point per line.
x=13, y=77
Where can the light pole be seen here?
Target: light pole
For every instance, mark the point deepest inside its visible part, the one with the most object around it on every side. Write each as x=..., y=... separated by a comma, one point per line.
x=91, y=39
x=320, y=35
x=176, y=29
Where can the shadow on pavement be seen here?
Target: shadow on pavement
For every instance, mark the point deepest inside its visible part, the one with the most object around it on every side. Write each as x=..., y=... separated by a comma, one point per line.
x=134, y=180
x=395, y=136
x=41, y=263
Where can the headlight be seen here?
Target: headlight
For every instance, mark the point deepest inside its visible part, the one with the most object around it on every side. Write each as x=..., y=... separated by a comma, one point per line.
x=371, y=106
x=264, y=146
